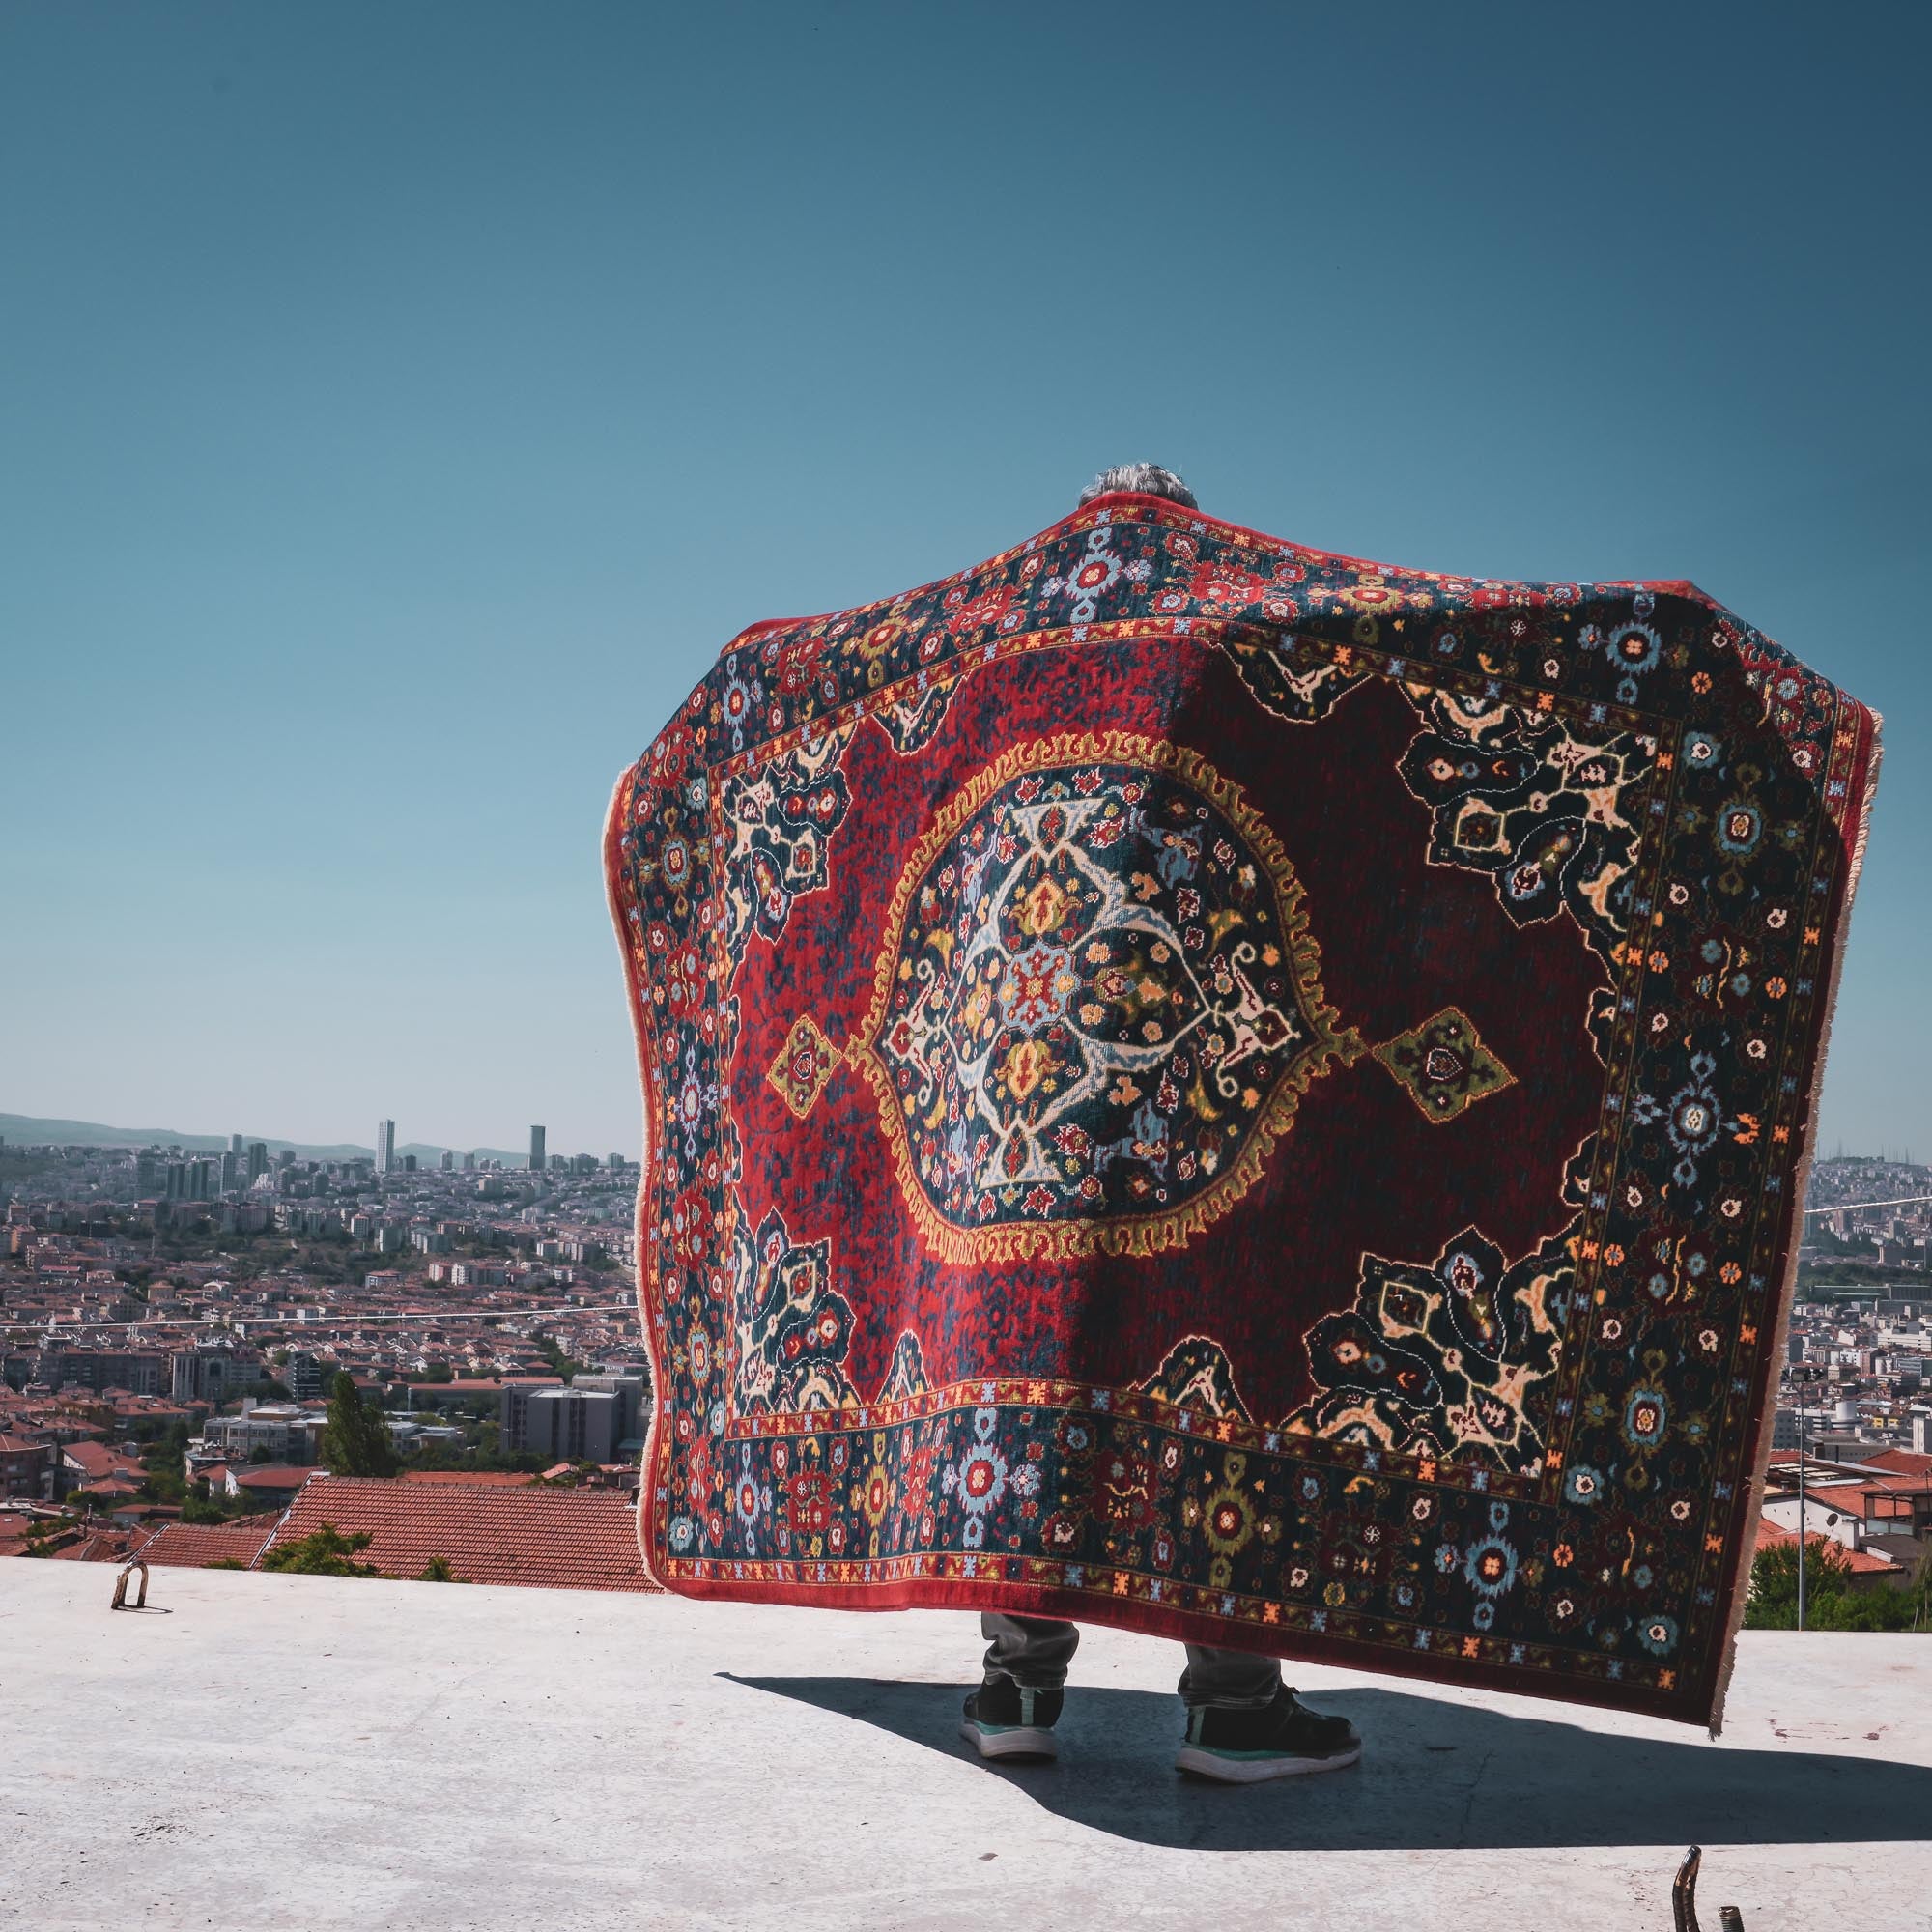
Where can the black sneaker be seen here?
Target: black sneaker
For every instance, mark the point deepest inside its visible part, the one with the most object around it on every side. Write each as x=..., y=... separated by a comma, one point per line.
x=1005, y=1719
x=1284, y=1738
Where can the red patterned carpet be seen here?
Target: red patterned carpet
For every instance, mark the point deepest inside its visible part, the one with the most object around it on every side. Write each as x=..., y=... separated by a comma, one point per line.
x=1206, y=1085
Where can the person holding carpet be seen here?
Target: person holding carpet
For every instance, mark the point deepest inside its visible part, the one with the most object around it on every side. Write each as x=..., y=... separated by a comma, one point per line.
x=1245, y=1726
x=1201, y=1085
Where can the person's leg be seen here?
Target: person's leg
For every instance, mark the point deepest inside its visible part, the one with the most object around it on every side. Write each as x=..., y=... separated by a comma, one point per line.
x=1245, y=1725
x=1014, y=1712
x=1231, y=1680
x=1033, y=1651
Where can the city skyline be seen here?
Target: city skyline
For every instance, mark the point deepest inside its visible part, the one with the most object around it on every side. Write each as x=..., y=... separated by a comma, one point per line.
x=376, y=501
x=18, y=1130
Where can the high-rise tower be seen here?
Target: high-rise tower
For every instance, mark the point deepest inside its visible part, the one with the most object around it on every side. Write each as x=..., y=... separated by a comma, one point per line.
x=385, y=1147
x=537, y=1150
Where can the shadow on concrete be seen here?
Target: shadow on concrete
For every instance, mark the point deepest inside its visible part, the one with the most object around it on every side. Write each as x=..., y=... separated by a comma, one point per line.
x=1434, y=1775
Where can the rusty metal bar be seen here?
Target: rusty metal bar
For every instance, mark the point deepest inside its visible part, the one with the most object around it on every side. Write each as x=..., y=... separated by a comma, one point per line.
x=121, y=1602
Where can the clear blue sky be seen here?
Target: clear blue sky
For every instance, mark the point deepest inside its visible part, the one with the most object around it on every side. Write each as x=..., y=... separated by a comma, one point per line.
x=400, y=404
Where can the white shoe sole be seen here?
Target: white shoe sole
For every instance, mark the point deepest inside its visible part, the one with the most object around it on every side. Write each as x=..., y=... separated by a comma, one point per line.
x=1259, y=1770
x=1022, y=1741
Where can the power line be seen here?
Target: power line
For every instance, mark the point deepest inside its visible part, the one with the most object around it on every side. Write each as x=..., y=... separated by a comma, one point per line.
x=351, y=1319
x=347, y=1317
x=1853, y=1207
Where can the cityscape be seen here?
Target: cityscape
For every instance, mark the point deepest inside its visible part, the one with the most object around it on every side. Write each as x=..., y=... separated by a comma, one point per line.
x=1269, y=941
x=175, y=1321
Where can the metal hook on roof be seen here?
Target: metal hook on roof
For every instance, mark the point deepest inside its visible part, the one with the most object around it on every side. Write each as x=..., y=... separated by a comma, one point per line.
x=128, y=1568
x=1684, y=1898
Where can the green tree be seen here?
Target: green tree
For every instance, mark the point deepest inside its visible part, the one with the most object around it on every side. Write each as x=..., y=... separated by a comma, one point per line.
x=162, y=1477
x=560, y=1364
x=322, y=1552
x=1830, y=1602
x=438, y=1571
x=1773, y=1604
x=355, y=1439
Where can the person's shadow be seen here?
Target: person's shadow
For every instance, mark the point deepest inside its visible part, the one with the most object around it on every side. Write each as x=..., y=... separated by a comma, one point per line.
x=1432, y=1775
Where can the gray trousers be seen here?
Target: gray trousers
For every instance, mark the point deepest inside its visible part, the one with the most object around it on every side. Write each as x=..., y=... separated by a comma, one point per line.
x=1036, y=1651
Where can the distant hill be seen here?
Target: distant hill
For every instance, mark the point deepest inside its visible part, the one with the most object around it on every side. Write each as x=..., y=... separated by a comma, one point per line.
x=1844, y=1180
x=24, y=1130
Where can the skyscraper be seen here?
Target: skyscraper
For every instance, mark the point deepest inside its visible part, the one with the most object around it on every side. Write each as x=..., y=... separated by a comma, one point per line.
x=385, y=1147
x=537, y=1162
x=235, y=1142
x=449, y=1160
x=258, y=1158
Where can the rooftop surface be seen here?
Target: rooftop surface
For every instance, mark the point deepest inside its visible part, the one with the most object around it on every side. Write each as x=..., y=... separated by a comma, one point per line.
x=488, y=1534
x=307, y=1753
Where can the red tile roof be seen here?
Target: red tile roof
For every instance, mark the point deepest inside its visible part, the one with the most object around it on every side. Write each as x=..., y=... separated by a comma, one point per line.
x=101, y=1546
x=1902, y=1463
x=1849, y=1498
x=474, y=1479
x=484, y=1385
x=94, y=1459
x=194, y=1545
x=1861, y=1562
x=272, y=1476
x=549, y=1538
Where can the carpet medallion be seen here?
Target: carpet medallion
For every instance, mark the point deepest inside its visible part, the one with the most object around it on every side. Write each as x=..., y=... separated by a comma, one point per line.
x=1202, y=1085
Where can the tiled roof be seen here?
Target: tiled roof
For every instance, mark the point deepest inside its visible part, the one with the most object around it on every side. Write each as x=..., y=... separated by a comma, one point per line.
x=101, y=1546
x=485, y=1385
x=1861, y=1562
x=1902, y=1463
x=194, y=1545
x=96, y=1460
x=549, y=1539
x=1847, y=1497
x=272, y=1476
x=473, y=1479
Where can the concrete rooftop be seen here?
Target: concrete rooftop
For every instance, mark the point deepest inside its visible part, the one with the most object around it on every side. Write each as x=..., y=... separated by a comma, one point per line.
x=306, y=1752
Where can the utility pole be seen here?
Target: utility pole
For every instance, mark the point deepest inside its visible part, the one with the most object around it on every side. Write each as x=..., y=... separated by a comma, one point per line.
x=1803, y=1376
x=1801, y=1505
